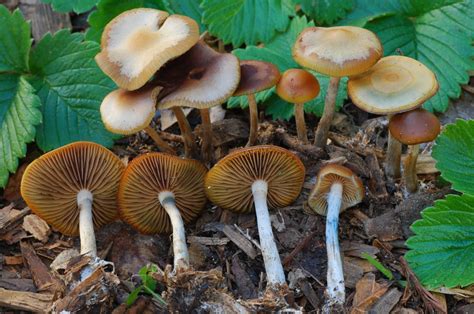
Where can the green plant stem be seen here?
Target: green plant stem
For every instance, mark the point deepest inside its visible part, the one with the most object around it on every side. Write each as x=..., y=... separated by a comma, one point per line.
x=253, y=112
x=300, y=123
x=322, y=131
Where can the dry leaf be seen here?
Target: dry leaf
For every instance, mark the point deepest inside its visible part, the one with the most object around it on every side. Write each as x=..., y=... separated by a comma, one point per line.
x=367, y=292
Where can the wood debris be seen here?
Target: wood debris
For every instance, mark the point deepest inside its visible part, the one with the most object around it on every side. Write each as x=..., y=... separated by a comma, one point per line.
x=37, y=227
x=26, y=301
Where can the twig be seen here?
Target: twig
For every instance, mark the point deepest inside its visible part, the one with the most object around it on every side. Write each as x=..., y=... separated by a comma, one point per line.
x=247, y=235
x=303, y=244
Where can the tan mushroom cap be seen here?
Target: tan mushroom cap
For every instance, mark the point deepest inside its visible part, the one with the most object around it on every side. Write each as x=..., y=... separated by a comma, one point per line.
x=352, y=191
x=127, y=112
x=208, y=78
x=395, y=84
x=51, y=183
x=148, y=175
x=256, y=76
x=297, y=86
x=337, y=51
x=136, y=43
x=229, y=182
x=414, y=127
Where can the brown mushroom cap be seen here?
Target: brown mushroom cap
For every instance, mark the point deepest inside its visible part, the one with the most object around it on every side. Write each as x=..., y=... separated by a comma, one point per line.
x=352, y=191
x=136, y=43
x=414, y=127
x=395, y=84
x=148, y=175
x=337, y=51
x=297, y=86
x=51, y=183
x=229, y=182
x=204, y=78
x=256, y=76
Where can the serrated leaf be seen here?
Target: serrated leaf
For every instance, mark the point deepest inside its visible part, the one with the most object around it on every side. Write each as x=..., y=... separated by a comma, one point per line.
x=15, y=41
x=191, y=8
x=19, y=114
x=246, y=21
x=108, y=9
x=71, y=88
x=326, y=12
x=454, y=155
x=78, y=6
x=444, y=240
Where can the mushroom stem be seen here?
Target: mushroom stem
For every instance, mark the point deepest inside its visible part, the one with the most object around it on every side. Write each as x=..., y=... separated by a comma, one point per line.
x=335, y=276
x=322, y=131
x=86, y=223
x=300, y=124
x=253, y=111
x=206, y=149
x=271, y=258
x=180, y=250
x=162, y=145
x=394, y=153
x=409, y=168
x=186, y=131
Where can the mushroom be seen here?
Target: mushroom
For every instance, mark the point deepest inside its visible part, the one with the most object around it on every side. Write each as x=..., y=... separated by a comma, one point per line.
x=255, y=76
x=158, y=193
x=298, y=86
x=74, y=189
x=127, y=112
x=336, y=189
x=261, y=175
x=395, y=84
x=413, y=128
x=335, y=51
x=136, y=43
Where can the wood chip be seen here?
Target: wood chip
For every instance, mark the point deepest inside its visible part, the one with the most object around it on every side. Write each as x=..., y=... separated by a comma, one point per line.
x=13, y=260
x=387, y=302
x=26, y=301
x=361, y=262
x=37, y=227
x=208, y=240
x=18, y=284
x=356, y=249
x=377, y=181
x=242, y=242
x=368, y=291
x=242, y=279
x=352, y=274
x=9, y=217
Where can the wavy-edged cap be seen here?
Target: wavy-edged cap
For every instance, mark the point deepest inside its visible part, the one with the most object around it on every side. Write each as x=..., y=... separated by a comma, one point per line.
x=337, y=51
x=148, y=175
x=229, y=182
x=127, y=112
x=256, y=76
x=352, y=188
x=395, y=84
x=136, y=43
x=51, y=183
x=414, y=127
x=297, y=86
x=207, y=78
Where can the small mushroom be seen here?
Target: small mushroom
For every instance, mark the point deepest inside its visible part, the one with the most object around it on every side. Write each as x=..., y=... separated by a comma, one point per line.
x=336, y=189
x=260, y=175
x=158, y=193
x=74, y=189
x=298, y=86
x=413, y=128
x=335, y=51
x=255, y=76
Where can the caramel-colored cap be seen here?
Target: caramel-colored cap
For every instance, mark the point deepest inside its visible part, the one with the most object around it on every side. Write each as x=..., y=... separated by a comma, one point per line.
x=352, y=188
x=229, y=183
x=51, y=183
x=256, y=76
x=297, y=86
x=414, y=127
x=148, y=175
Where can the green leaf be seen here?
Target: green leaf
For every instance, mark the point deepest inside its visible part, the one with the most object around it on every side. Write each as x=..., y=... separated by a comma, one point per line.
x=108, y=9
x=132, y=297
x=71, y=87
x=78, y=6
x=454, y=155
x=19, y=114
x=246, y=21
x=189, y=8
x=15, y=41
x=326, y=12
x=442, y=251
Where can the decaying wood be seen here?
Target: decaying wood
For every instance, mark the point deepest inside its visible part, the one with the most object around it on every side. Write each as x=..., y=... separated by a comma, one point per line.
x=18, y=284
x=10, y=217
x=387, y=302
x=376, y=179
x=26, y=301
x=348, y=143
x=309, y=293
x=368, y=291
x=294, y=144
x=238, y=239
x=302, y=245
x=356, y=249
x=37, y=227
x=13, y=260
x=245, y=286
x=208, y=240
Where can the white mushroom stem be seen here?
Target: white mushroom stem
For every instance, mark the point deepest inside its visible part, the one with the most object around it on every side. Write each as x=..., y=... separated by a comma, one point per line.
x=271, y=258
x=86, y=224
x=335, y=276
x=180, y=250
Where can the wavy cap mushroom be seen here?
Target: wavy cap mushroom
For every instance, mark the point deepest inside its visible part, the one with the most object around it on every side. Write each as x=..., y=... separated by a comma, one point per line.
x=74, y=189
x=138, y=42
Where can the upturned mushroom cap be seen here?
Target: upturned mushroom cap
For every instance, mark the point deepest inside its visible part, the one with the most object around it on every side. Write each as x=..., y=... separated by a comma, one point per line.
x=414, y=127
x=138, y=42
x=395, y=84
x=229, y=182
x=337, y=51
x=127, y=112
x=297, y=86
x=51, y=183
x=256, y=76
x=204, y=78
x=148, y=175
x=352, y=191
